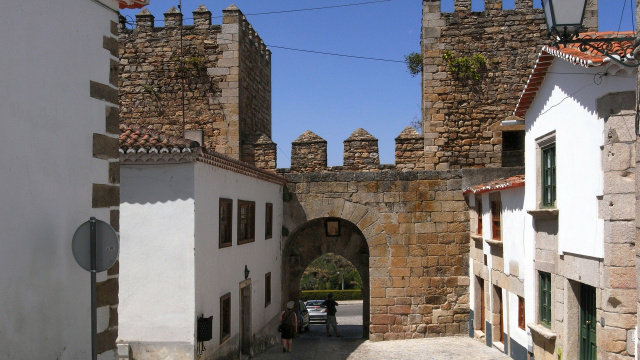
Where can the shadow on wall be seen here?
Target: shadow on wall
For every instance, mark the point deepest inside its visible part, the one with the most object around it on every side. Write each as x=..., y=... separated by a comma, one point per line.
x=148, y=184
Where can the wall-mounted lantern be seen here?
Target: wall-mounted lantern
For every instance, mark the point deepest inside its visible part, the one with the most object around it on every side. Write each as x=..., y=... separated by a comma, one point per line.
x=564, y=23
x=246, y=272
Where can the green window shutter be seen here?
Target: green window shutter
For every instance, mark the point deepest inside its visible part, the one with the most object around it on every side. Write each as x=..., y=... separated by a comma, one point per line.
x=549, y=176
x=545, y=298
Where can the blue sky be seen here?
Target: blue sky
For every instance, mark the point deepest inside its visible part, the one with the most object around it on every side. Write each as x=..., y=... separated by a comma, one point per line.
x=333, y=96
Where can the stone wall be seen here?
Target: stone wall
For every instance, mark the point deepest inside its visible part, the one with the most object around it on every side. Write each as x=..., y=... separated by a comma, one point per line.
x=619, y=292
x=416, y=228
x=461, y=118
x=225, y=71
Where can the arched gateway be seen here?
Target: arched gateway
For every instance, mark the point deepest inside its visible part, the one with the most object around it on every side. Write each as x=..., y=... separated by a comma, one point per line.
x=405, y=231
x=321, y=236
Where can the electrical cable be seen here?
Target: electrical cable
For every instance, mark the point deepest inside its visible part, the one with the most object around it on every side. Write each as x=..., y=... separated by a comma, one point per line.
x=334, y=54
x=624, y=6
x=296, y=10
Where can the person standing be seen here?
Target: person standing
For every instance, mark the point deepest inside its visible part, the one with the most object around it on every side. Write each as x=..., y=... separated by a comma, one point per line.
x=331, y=304
x=289, y=322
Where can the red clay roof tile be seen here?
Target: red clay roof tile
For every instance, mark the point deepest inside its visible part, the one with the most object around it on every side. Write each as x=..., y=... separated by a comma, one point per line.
x=497, y=185
x=141, y=139
x=571, y=53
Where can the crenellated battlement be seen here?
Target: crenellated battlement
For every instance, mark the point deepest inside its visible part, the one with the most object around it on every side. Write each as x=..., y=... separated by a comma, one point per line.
x=520, y=7
x=361, y=153
x=223, y=71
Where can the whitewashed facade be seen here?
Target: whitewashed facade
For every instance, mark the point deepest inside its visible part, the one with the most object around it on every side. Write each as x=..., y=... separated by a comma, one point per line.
x=497, y=264
x=173, y=269
x=58, y=153
x=568, y=233
x=584, y=111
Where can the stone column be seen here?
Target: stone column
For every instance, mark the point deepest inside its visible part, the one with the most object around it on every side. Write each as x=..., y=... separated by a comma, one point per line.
x=619, y=295
x=431, y=31
x=590, y=21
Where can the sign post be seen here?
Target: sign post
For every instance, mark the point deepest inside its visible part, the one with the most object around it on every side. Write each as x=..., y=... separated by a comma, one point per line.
x=95, y=247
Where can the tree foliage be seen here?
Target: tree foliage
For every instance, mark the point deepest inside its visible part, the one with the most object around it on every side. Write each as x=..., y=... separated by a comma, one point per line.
x=465, y=68
x=322, y=274
x=414, y=63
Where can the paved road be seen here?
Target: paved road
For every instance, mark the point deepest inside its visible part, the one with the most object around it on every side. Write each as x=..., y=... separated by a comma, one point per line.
x=315, y=345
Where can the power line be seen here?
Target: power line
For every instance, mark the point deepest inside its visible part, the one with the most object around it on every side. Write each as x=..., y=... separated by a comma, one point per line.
x=334, y=54
x=291, y=11
x=318, y=8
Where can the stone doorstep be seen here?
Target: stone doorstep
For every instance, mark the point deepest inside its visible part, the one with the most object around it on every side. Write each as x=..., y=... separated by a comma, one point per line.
x=498, y=345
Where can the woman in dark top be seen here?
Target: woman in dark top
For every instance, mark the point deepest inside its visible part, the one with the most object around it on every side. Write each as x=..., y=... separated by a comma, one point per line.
x=289, y=322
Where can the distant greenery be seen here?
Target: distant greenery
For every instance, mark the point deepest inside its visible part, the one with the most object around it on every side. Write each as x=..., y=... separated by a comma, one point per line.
x=322, y=274
x=337, y=295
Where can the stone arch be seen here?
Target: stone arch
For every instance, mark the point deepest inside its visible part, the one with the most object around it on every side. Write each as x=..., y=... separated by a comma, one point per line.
x=362, y=226
x=310, y=241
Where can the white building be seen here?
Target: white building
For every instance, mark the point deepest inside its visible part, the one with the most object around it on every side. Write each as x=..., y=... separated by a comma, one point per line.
x=497, y=265
x=59, y=156
x=193, y=222
x=578, y=238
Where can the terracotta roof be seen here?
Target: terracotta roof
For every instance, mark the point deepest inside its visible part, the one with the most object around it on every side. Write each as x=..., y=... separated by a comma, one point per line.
x=141, y=145
x=571, y=53
x=495, y=185
x=139, y=139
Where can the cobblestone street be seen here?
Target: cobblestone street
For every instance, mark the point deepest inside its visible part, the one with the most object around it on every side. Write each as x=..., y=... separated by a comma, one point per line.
x=315, y=345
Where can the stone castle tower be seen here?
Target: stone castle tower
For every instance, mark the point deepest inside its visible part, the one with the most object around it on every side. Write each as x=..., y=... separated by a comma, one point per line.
x=223, y=73
x=462, y=118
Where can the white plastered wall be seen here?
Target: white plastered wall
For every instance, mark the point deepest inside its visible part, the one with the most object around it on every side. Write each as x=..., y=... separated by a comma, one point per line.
x=566, y=104
x=220, y=271
x=51, y=50
x=156, y=257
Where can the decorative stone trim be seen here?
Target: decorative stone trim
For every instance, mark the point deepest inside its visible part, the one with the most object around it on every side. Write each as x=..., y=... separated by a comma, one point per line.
x=105, y=195
x=544, y=213
x=103, y=92
x=111, y=44
x=542, y=331
x=239, y=167
x=476, y=237
x=152, y=158
x=105, y=147
x=112, y=119
x=114, y=172
x=494, y=243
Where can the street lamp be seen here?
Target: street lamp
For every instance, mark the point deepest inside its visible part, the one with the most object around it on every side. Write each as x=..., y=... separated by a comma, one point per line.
x=564, y=23
x=342, y=275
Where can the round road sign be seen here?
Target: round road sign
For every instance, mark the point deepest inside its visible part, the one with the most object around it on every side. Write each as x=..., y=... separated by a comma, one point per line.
x=107, y=246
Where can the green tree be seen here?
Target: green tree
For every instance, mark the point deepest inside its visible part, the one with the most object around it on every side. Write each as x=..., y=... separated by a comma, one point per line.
x=322, y=274
x=414, y=63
